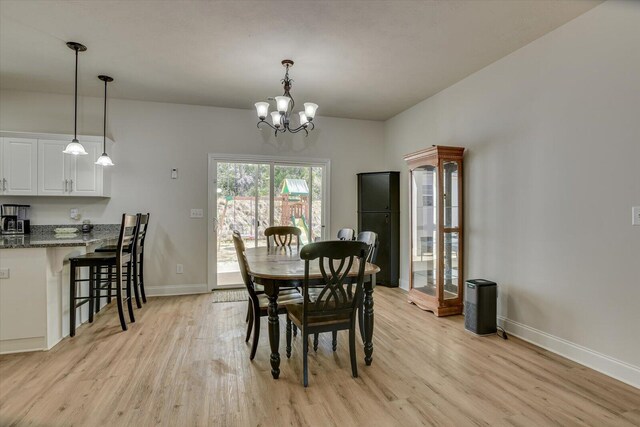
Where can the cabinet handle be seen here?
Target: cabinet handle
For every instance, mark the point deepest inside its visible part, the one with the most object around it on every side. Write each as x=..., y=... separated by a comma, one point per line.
x=70, y=185
x=65, y=185
x=4, y=184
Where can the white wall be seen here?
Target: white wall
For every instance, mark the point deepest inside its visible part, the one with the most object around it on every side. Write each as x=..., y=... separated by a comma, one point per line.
x=551, y=173
x=151, y=138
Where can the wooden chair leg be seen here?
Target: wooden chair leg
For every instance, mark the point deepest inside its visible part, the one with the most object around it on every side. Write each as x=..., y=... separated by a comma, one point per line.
x=315, y=341
x=352, y=350
x=141, y=281
x=288, y=337
x=72, y=300
x=110, y=281
x=118, y=280
x=134, y=280
x=305, y=362
x=295, y=331
x=256, y=334
x=132, y=318
x=249, y=322
x=98, y=284
x=361, y=320
x=248, y=310
x=334, y=340
x=91, y=290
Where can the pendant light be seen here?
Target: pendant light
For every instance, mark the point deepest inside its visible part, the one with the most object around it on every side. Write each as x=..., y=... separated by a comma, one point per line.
x=104, y=159
x=74, y=147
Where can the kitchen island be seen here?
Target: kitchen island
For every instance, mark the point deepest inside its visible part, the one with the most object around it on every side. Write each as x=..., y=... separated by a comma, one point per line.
x=34, y=298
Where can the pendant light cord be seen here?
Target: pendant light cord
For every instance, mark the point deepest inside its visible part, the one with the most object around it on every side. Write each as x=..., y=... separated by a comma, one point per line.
x=75, y=109
x=104, y=127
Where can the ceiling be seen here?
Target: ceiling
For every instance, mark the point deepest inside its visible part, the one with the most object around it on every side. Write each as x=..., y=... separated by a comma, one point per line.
x=356, y=59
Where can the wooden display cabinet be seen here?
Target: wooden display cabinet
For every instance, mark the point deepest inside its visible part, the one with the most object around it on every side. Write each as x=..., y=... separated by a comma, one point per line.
x=436, y=253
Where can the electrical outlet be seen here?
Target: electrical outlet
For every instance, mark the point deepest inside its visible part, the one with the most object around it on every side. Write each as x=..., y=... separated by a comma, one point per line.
x=174, y=173
x=179, y=268
x=197, y=213
x=635, y=220
x=74, y=213
x=4, y=273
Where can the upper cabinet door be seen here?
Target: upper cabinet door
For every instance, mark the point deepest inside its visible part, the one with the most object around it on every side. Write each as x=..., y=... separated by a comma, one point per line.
x=53, y=168
x=378, y=192
x=85, y=177
x=19, y=166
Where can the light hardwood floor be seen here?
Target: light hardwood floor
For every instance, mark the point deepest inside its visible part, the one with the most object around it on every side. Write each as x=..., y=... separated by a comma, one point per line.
x=184, y=362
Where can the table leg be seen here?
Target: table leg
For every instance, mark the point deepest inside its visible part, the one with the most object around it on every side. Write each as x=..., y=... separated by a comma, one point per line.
x=274, y=329
x=368, y=321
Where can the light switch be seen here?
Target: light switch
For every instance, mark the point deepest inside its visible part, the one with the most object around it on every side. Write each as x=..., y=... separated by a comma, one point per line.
x=197, y=213
x=636, y=215
x=4, y=273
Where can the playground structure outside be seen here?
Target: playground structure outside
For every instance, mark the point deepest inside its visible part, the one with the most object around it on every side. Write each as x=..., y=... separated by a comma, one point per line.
x=291, y=207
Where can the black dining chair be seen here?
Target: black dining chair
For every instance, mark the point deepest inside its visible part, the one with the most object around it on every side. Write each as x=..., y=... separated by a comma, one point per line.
x=371, y=239
x=258, y=301
x=346, y=234
x=282, y=236
x=279, y=236
x=112, y=284
x=334, y=308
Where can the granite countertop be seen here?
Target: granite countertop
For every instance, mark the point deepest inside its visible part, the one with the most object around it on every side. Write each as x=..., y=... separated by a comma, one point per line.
x=44, y=237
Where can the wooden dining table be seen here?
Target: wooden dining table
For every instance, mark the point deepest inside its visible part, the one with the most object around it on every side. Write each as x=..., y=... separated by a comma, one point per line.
x=281, y=266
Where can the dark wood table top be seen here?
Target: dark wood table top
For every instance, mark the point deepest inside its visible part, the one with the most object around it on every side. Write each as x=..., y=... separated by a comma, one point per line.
x=285, y=264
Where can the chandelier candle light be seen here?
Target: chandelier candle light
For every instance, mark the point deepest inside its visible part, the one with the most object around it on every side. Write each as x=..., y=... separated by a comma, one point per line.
x=74, y=147
x=104, y=159
x=281, y=118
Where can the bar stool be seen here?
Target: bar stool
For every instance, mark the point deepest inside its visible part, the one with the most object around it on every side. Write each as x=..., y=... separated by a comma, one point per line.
x=113, y=283
x=137, y=259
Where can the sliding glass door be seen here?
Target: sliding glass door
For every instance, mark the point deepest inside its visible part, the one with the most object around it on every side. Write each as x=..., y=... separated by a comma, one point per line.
x=251, y=194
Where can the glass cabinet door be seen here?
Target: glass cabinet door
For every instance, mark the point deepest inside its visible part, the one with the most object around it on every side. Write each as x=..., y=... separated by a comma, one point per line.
x=424, y=230
x=451, y=221
x=450, y=196
x=451, y=266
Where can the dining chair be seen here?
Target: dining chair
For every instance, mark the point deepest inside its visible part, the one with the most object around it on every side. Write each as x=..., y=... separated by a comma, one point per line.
x=258, y=301
x=371, y=239
x=282, y=235
x=113, y=283
x=334, y=308
x=346, y=234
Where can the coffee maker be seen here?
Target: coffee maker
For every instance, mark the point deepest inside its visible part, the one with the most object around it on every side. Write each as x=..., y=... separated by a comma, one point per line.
x=14, y=219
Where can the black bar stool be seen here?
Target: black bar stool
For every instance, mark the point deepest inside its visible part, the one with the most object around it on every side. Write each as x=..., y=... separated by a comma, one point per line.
x=137, y=259
x=113, y=283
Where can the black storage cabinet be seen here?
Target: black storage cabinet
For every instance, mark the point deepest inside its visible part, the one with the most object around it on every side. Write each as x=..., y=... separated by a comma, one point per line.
x=379, y=211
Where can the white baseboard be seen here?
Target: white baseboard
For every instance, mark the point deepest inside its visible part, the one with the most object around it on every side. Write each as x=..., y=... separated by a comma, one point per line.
x=169, y=290
x=614, y=368
x=22, y=345
x=404, y=284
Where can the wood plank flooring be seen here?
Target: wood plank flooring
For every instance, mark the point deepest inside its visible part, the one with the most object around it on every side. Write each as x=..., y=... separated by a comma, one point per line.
x=184, y=362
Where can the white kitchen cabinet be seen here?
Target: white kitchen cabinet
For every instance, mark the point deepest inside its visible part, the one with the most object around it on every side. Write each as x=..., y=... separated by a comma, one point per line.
x=85, y=177
x=19, y=170
x=35, y=165
x=53, y=168
x=66, y=174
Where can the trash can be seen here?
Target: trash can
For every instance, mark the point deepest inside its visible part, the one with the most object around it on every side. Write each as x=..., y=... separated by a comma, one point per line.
x=480, y=301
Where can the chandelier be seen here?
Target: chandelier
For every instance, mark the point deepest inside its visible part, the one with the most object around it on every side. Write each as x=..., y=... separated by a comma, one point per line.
x=281, y=118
